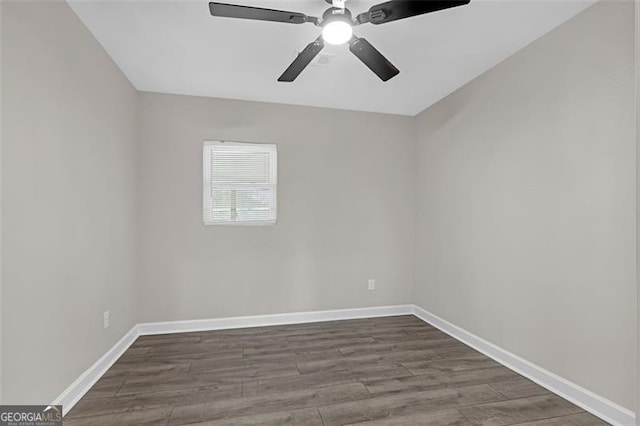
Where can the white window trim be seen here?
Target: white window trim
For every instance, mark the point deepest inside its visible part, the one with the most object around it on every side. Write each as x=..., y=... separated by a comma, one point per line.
x=206, y=180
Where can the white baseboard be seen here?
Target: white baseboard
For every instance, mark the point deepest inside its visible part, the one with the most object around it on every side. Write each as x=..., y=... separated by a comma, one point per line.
x=82, y=384
x=274, y=319
x=587, y=400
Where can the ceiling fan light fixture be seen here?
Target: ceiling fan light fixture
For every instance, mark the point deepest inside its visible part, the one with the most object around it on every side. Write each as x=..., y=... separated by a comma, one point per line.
x=337, y=32
x=337, y=27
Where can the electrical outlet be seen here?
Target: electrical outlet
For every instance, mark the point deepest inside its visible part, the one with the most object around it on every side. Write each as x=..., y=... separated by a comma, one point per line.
x=371, y=284
x=105, y=319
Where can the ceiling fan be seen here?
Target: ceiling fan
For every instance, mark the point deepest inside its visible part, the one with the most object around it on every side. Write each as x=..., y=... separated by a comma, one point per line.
x=337, y=28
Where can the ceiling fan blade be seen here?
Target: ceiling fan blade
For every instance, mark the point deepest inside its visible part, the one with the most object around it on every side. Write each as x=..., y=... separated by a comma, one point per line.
x=258, y=13
x=372, y=58
x=302, y=60
x=401, y=9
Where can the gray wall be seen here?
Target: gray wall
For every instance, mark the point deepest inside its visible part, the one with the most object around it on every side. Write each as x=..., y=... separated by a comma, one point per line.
x=526, y=204
x=637, y=92
x=68, y=188
x=1, y=205
x=345, y=211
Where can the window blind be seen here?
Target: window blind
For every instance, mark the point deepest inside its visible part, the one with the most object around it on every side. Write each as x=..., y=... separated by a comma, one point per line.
x=240, y=182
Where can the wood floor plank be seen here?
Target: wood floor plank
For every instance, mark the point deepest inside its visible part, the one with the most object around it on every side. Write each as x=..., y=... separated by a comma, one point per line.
x=205, y=365
x=376, y=359
x=404, y=336
x=355, y=323
x=164, y=339
x=323, y=379
x=410, y=345
x=519, y=388
x=582, y=419
x=222, y=377
x=154, y=417
x=374, y=322
x=406, y=404
x=246, y=331
x=180, y=358
x=431, y=332
x=294, y=329
x=149, y=368
x=297, y=355
x=439, y=379
x=254, y=405
x=449, y=417
x=299, y=382
x=106, y=386
x=302, y=417
x=152, y=399
x=519, y=410
x=374, y=326
x=181, y=349
x=309, y=345
x=242, y=363
x=378, y=372
x=135, y=351
x=449, y=365
x=186, y=381
x=329, y=335
x=266, y=339
x=459, y=351
x=245, y=373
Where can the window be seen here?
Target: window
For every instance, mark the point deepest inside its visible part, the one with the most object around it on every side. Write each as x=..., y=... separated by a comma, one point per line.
x=240, y=181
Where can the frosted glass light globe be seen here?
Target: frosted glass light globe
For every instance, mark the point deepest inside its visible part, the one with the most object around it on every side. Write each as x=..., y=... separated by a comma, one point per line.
x=337, y=32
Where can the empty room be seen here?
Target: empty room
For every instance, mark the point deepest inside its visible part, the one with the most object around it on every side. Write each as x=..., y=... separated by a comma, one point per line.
x=318, y=212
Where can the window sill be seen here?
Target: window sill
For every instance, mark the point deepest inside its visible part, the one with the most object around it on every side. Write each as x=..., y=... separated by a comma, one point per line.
x=252, y=223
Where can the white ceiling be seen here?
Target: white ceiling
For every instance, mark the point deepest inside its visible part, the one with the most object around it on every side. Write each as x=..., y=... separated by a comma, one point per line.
x=177, y=47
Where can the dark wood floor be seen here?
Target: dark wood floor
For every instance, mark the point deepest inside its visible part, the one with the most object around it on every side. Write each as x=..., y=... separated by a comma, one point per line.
x=385, y=371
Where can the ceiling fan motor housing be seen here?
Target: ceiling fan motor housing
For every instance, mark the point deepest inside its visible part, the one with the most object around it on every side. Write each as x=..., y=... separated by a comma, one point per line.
x=336, y=14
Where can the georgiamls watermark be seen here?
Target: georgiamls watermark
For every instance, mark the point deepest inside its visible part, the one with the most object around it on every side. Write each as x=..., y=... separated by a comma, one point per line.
x=30, y=415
